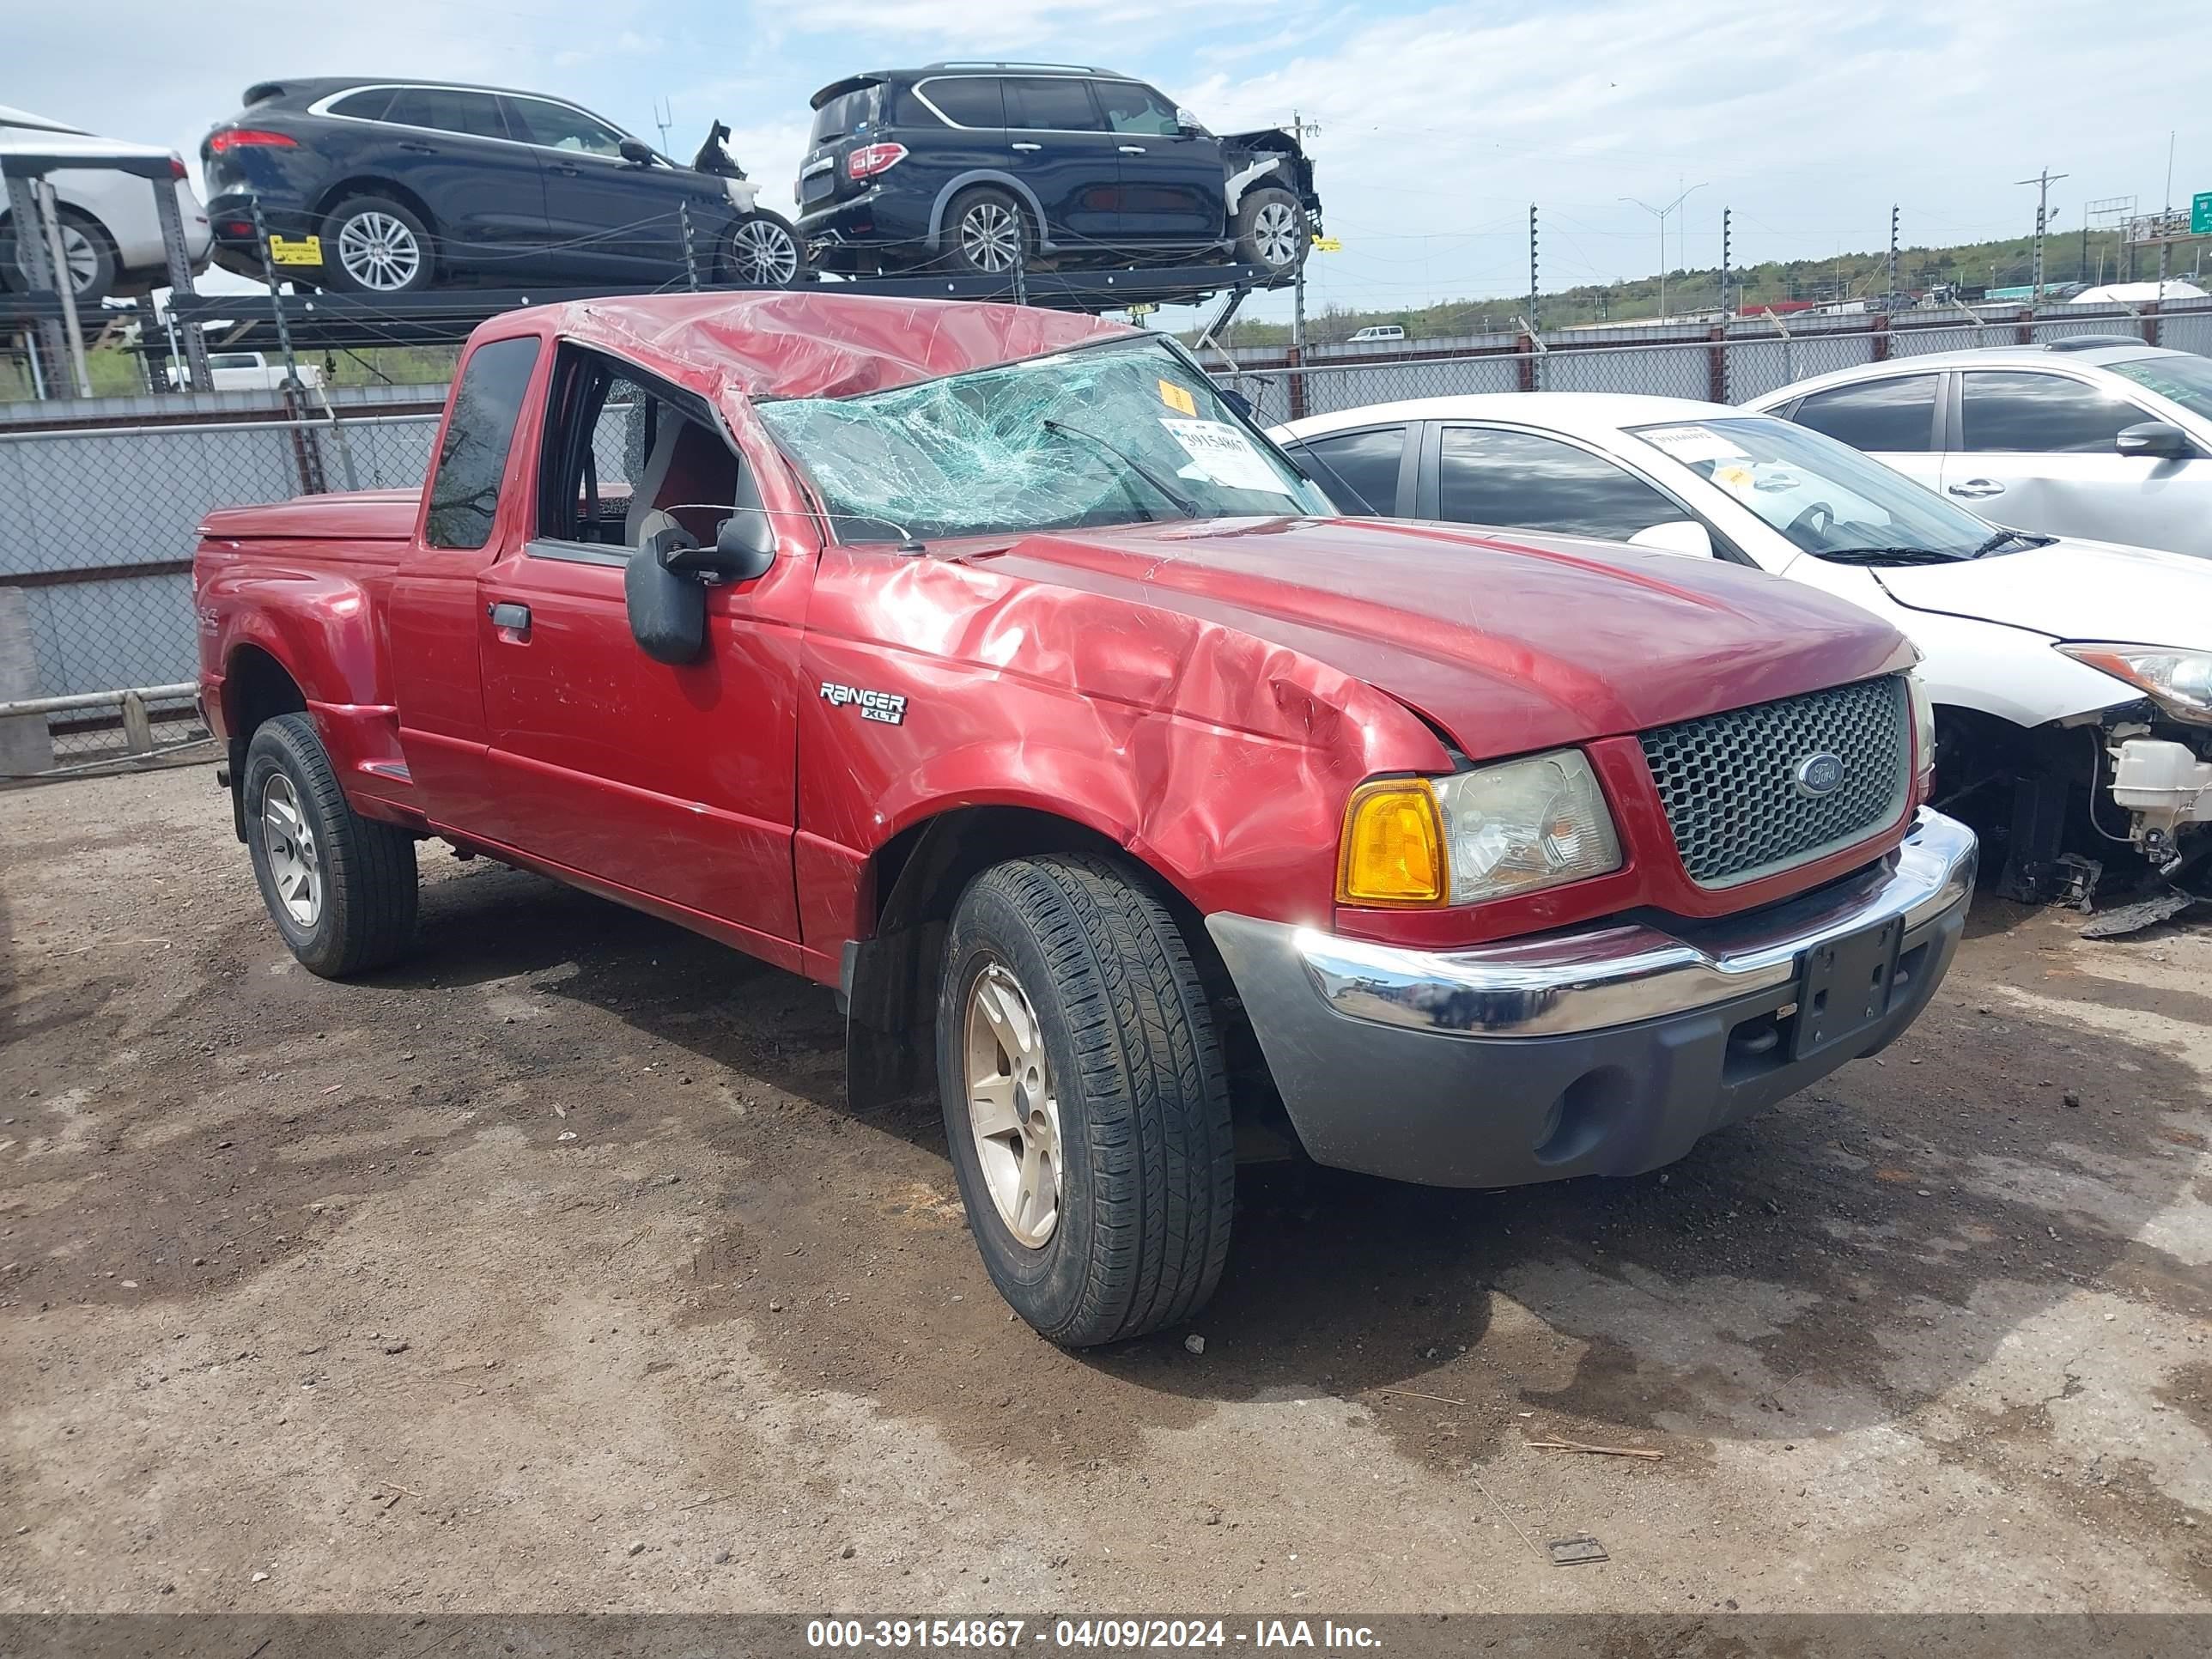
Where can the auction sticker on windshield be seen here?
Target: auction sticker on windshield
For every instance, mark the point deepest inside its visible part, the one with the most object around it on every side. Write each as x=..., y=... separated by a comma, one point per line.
x=1691, y=443
x=1225, y=456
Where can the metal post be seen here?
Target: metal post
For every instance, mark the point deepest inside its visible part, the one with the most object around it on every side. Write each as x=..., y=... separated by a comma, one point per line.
x=180, y=281
x=48, y=347
x=276, y=301
x=1022, y=268
x=690, y=261
x=1728, y=258
x=65, y=283
x=1535, y=316
x=1892, y=251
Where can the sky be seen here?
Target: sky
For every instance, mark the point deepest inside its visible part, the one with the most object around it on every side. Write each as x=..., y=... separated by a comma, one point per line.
x=1439, y=124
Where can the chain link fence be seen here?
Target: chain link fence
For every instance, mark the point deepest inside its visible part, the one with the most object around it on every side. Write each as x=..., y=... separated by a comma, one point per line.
x=97, y=527
x=1717, y=363
x=98, y=521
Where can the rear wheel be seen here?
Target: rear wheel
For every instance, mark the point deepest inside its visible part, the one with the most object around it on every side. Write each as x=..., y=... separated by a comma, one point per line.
x=1271, y=230
x=1085, y=1103
x=92, y=263
x=764, y=250
x=987, y=233
x=340, y=888
x=373, y=244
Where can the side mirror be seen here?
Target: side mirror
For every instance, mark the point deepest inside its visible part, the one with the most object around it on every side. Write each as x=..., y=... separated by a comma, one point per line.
x=743, y=548
x=1236, y=400
x=1187, y=122
x=2160, y=439
x=1684, y=536
x=637, y=152
x=667, y=608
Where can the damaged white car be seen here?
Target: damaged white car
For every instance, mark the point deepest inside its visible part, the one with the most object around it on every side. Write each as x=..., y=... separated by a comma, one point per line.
x=2073, y=680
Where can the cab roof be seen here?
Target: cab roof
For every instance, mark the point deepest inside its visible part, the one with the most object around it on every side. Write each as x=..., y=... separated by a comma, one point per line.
x=806, y=343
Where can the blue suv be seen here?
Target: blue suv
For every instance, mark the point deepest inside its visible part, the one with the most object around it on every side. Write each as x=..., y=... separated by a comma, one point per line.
x=978, y=167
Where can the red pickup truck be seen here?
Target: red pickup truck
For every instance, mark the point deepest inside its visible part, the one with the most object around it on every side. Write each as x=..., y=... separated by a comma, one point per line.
x=991, y=667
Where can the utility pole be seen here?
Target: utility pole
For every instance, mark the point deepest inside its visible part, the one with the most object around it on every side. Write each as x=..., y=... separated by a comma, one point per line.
x=1660, y=214
x=1301, y=130
x=1893, y=250
x=2043, y=182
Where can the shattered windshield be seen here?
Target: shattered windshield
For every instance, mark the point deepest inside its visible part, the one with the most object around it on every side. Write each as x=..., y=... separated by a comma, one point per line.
x=1128, y=431
x=1827, y=498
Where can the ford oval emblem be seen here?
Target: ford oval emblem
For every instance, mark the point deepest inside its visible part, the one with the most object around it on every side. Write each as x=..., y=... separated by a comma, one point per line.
x=1819, y=775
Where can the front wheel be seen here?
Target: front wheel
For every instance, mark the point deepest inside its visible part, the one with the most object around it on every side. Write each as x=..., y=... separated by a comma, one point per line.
x=764, y=251
x=1271, y=230
x=1085, y=1104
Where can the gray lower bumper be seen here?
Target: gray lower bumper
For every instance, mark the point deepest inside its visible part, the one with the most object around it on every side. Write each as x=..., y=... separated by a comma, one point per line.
x=1602, y=1050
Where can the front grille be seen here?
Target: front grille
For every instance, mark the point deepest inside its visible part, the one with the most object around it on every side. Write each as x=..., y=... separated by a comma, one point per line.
x=1732, y=788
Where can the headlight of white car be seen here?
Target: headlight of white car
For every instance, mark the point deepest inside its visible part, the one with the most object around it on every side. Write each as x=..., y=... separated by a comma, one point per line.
x=2180, y=682
x=1511, y=828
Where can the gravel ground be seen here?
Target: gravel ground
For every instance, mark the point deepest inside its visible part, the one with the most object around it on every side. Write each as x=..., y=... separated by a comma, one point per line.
x=552, y=1272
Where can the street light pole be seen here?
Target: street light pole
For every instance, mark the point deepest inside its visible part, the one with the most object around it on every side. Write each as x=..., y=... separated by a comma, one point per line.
x=1660, y=214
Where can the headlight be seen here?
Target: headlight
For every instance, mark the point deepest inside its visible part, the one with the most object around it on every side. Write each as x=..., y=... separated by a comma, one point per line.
x=2180, y=682
x=1512, y=828
x=1924, y=734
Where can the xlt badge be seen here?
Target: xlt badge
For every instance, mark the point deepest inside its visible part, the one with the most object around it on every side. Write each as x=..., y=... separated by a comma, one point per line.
x=888, y=707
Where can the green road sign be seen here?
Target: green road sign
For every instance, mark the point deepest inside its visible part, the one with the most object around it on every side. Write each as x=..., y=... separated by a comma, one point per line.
x=2200, y=214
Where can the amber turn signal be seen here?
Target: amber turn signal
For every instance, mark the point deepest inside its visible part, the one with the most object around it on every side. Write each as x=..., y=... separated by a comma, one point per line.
x=1393, y=848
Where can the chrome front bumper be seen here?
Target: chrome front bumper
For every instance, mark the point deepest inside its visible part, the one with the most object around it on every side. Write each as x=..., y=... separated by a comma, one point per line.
x=1601, y=1050
x=1600, y=976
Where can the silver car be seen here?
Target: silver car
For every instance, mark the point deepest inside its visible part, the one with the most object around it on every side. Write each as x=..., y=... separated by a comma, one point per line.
x=2093, y=437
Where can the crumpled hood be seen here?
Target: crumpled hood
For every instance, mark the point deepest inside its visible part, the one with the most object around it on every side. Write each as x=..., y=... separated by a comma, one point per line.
x=2070, y=590
x=1509, y=642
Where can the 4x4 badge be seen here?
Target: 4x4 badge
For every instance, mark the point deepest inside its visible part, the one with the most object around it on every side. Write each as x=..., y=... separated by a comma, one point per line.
x=888, y=707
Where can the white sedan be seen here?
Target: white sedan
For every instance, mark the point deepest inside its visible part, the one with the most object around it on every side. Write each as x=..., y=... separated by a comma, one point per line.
x=2074, y=670
x=111, y=229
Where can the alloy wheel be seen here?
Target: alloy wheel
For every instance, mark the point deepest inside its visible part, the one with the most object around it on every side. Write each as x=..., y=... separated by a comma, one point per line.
x=990, y=237
x=295, y=866
x=1013, y=1106
x=380, y=252
x=1275, y=234
x=763, y=251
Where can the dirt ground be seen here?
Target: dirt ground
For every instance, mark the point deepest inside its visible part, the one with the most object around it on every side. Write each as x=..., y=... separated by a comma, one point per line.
x=552, y=1272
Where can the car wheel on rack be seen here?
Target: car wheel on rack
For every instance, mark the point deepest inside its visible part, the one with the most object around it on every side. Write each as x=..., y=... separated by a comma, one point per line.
x=1271, y=230
x=764, y=250
x=987, y=233
x=373, y=244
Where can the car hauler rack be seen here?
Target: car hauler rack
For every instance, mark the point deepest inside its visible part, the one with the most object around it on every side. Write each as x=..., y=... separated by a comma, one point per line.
x=327, y=320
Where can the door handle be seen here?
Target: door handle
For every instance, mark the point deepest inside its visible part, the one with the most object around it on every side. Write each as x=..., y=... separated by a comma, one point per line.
x=506, y=615
x=566, y=169
x=1133, y=149
x=419, y=149
x=1974, y=488
x=1029, y=146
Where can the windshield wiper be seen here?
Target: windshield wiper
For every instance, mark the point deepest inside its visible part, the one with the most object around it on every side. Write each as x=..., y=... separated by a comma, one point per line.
x=1889, y=556
x=2004, y=535
x=1183, y=503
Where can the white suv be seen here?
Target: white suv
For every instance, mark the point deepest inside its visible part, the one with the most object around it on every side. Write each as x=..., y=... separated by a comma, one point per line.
x=111, y=230
x=2093, y=436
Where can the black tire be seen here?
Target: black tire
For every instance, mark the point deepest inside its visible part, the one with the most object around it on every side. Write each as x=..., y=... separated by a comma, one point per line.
x=409, y=273
x=99, y=280
x=985, y=230
x=366, y=917
x=1260, y=216
x=763, y=249
x=1147, y=1169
